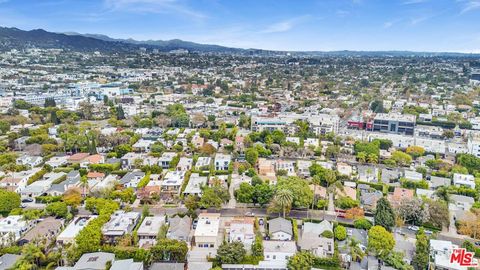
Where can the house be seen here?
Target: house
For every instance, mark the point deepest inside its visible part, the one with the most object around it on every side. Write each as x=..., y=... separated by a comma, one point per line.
x=17, y=181
x=460, y=202
x=194, y=184
x=131, y=179
x=266, y=170
x=129, y=160
x=303, y=168
x=72, y=181
x=367, y=174
x=280, y=229
x=179, y=228
x=203, y=163
x=222, y=162
x=57, y=161
x=77, y=158
x=165, y=159
x=97, y=176
x=413, y=176
x=173, y=181
x=313, y=241
x=93, y=159
x=93, y=261
x=184, y=164
x=148, y=230
x=427, y=193
x=47, y=230
x=120, y=223
x=399, y=194
x=278, y=252
x=197, y=141
x=344, y=169
x=7, y=261
x=206, y=233
x=312, y=142
x=464, y=180
x=241, y=229
x=369, y=198
x=38, y=188
x=390, y=176
x=68, y=235
x=285, y=165
x=142, y=145
x=436, y=182
x=127, y=264
x=30, y=161
x=440, y=254
x=12, y=228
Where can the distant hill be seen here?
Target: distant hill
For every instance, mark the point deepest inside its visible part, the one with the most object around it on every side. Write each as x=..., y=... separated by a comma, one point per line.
x=167, y=45
x=14, y=38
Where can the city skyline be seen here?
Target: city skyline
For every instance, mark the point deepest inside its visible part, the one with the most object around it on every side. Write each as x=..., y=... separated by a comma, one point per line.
x=363, y=25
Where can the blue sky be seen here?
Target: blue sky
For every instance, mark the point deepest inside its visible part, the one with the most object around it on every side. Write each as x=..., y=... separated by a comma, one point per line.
x=417, y=25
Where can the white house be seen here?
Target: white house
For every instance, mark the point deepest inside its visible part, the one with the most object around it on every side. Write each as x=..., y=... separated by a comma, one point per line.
x=222, y=162
x=466, y=180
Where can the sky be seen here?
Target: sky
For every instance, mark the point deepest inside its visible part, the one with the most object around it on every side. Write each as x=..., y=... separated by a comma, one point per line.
x=294, y=25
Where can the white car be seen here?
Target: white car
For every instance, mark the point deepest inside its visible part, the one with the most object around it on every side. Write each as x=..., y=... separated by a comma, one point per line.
x=413, y=228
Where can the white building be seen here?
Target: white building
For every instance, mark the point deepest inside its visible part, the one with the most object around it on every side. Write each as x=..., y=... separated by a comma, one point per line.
x=207, y=230
x=466, y=180
x=12, y=228
x=222, y=162
x=71, y=231
x=194, y=184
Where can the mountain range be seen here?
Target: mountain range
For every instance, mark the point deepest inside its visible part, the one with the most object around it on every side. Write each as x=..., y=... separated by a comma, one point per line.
x=14, y=38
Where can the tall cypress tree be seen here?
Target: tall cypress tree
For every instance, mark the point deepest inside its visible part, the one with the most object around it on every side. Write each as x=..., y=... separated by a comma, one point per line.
x=384, y=215
x=422, y=250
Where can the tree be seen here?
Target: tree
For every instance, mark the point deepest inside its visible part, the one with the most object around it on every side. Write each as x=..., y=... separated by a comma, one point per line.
x=263, y=193
x=401, y=158
x=372, y=158
x=120, y=113
x=57, y=209
x=438, y=214
x=355, y=213
x=245, y=193
x=356, y=252
x=4, y=127
x=302, y=260
x=231, y=253
x=362, y=157
x=8, y=201
x=169, y=250
x=422, y=250
x=302, y=194
x=362, y=223
x=283, y=199
x=345, y=202
x=380, y=241
x=191, y=202
x=214, y=196
x=415, y=151
x=412, y=210
x=471, y=162
x=340, y=233
x=384, y=215
x=251, y=155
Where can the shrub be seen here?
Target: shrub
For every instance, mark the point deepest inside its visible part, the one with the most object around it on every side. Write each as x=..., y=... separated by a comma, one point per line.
x=340, y=233
x=362, y=223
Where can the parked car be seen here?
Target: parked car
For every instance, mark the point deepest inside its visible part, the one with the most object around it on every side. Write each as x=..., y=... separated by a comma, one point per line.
x=413, y=228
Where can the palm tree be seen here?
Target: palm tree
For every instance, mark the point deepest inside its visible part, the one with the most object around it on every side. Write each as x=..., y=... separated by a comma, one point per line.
x=356, y=252
x=362, y=157
x=372, y=158
x=283, y=198
x=84, y=184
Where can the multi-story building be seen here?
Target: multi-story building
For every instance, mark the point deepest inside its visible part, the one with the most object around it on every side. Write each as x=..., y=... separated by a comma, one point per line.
x=394, y=123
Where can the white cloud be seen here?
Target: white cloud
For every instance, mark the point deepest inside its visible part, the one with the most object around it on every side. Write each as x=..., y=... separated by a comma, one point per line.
x=387, y=25
x=153, y=6
x=286, y=25
x=470, y=5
